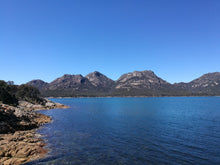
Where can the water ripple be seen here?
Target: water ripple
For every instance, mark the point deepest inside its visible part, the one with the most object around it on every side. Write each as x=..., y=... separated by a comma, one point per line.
x=134, y=131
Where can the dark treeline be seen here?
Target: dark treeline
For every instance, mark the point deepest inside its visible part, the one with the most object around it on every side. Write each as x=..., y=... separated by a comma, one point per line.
x=10, y=94
x=124, y=93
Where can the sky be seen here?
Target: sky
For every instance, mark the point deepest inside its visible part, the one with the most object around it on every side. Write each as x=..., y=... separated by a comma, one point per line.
x=44, y=39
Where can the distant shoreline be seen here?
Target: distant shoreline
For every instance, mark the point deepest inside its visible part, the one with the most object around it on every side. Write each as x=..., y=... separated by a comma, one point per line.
x=126, y=97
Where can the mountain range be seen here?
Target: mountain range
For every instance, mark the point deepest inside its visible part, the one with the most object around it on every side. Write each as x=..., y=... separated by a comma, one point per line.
x=137, y=83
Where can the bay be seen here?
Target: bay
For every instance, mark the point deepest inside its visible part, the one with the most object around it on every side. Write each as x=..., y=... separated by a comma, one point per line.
x=148, y=130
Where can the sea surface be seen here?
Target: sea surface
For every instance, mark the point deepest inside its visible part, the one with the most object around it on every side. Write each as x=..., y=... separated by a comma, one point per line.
x=111, y=131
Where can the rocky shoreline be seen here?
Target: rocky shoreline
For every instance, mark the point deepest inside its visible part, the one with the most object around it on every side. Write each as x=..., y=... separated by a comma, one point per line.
x=19, y=142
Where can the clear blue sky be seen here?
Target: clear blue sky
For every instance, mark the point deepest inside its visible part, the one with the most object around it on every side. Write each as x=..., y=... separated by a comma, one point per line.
x=43, y=39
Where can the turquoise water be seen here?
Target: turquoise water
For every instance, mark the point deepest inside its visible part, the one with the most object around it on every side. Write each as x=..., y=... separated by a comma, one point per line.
x=159, y=130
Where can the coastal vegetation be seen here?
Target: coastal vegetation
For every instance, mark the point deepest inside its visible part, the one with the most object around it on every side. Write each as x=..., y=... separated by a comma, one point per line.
x=18, y=141
x=10, y=94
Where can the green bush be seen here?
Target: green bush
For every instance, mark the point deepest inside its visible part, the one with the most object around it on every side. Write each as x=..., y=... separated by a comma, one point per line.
x=5, y=96
x=10, y=94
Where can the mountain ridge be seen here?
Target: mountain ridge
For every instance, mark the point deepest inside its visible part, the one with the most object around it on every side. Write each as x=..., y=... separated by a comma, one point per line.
x=137, y=83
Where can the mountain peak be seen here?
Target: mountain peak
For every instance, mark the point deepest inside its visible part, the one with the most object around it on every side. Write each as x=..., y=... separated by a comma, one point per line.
x=211, y=75
x=96, y=73
x=139, y=79
x=208, y=79
x=68, y=81
x=38, y=83
x=99, y=80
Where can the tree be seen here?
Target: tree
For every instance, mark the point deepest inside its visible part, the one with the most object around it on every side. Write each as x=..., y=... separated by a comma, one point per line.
x=27, y=92
x=5, y=96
